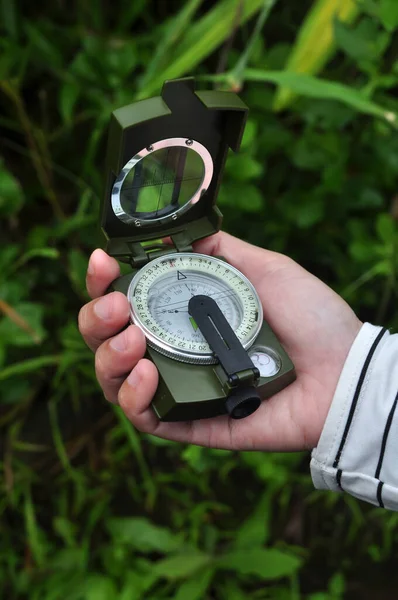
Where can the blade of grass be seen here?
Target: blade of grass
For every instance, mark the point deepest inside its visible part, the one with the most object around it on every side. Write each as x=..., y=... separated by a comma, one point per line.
x=370, y=274
x=314, y=43
x=43, y=174
x=178, y=25
x=19, y=321
x=58, y=441
x=28, y=366
x=135, y=444
x=9, y=17
x=33, y=533
x=51, y=253
x=313, y=87
x=240, y=66
x=201, y=40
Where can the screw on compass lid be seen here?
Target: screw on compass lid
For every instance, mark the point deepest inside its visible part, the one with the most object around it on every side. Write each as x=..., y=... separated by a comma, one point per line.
x=242, y=403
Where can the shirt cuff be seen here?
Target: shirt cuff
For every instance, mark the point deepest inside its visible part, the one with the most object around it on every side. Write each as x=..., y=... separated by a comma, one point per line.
x=337, y=434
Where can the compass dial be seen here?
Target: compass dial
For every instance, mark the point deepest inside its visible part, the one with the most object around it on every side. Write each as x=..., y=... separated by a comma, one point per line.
x=160, y=292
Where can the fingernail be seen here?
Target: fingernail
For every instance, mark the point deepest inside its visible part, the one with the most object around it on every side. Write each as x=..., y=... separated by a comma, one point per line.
x=103, y=308
x=134, y=378
x=119, y=342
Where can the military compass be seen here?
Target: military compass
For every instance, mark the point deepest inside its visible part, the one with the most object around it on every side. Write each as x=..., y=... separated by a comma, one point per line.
x=202, y=318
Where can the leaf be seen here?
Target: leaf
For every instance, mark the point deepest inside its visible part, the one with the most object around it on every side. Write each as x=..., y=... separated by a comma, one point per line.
x=51, y=253
x=353, y=43
x=249, y=135
x=232, y=591
x=11, y=195
x=370, y=198
x=244, y=168
x=196, y=587
x=181, y=565
x=267, y=564
x=28, y=366
x=314, y=44
x=69, y=559
x=386, y=228
x=388, y=13
x=337, y=586
x=8, y=255
x=306, y=85
x=65, y=529
x=364, y=43
x=176, y=28
x=44, y=49
x=8, y=17
x=68, y=96
x=241, y=196
x=143, y=535
x=77, y=269
x=27, y=329
x=135, y=584
x=255, y=530
x=35, y=537
x=202, y=39
x=100, y=587
x=362, y=251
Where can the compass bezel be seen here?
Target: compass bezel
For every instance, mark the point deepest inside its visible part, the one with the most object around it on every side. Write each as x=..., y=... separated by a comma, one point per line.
x=171, y=350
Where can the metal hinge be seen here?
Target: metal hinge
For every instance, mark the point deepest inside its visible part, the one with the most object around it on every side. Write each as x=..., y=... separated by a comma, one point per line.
x=141, y=255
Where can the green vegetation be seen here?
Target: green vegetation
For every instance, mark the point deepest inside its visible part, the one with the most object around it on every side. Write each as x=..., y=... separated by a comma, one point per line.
x=90, y=509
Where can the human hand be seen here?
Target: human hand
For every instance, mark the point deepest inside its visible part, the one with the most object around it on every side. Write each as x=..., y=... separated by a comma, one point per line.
x=315, y=326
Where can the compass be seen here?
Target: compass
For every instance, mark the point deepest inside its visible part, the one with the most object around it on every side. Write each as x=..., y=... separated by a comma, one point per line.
x=202, y=318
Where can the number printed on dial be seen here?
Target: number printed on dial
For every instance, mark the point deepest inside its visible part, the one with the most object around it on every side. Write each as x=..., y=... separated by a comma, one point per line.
x=160, y=292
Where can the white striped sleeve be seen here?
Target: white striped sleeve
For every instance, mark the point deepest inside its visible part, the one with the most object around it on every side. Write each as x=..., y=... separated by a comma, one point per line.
x=358, y=449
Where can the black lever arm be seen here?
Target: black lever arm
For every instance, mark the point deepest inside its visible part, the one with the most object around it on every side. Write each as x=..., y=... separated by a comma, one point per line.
x=243, y=400
x=220, y=336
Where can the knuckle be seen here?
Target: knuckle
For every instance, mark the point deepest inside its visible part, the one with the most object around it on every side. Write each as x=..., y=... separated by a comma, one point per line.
x=101, y=366
x=110, y=396
x=124, y=399
x=82, y=320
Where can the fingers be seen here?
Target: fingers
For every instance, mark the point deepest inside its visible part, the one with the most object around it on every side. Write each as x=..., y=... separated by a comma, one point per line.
x=116, y=357
x=233, y=249
x=136, y=393
x=249, y=259
x=103, y=318
x=102, y=270
x=135, y=397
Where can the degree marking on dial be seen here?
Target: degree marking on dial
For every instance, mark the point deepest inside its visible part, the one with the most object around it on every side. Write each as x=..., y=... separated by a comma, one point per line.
x=240, y=297
x=227, y=295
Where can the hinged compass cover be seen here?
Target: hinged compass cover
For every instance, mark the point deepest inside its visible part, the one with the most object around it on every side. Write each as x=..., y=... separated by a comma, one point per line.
x=165, y=160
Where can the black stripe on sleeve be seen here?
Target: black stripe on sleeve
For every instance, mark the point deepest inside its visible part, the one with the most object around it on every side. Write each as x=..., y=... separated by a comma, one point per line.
x=356, y=395
x=385, y=437
x=338, y=478
x=379, y=497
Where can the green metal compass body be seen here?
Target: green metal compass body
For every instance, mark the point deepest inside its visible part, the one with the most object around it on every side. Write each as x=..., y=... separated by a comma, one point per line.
x=165, y=160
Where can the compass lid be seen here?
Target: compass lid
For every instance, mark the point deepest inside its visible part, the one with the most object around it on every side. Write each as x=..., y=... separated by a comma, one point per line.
x=164, y=165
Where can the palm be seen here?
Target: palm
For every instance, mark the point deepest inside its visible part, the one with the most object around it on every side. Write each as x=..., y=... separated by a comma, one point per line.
x=317, y=329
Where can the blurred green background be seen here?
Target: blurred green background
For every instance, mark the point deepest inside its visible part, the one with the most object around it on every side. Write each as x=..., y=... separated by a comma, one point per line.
x=90, y=509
